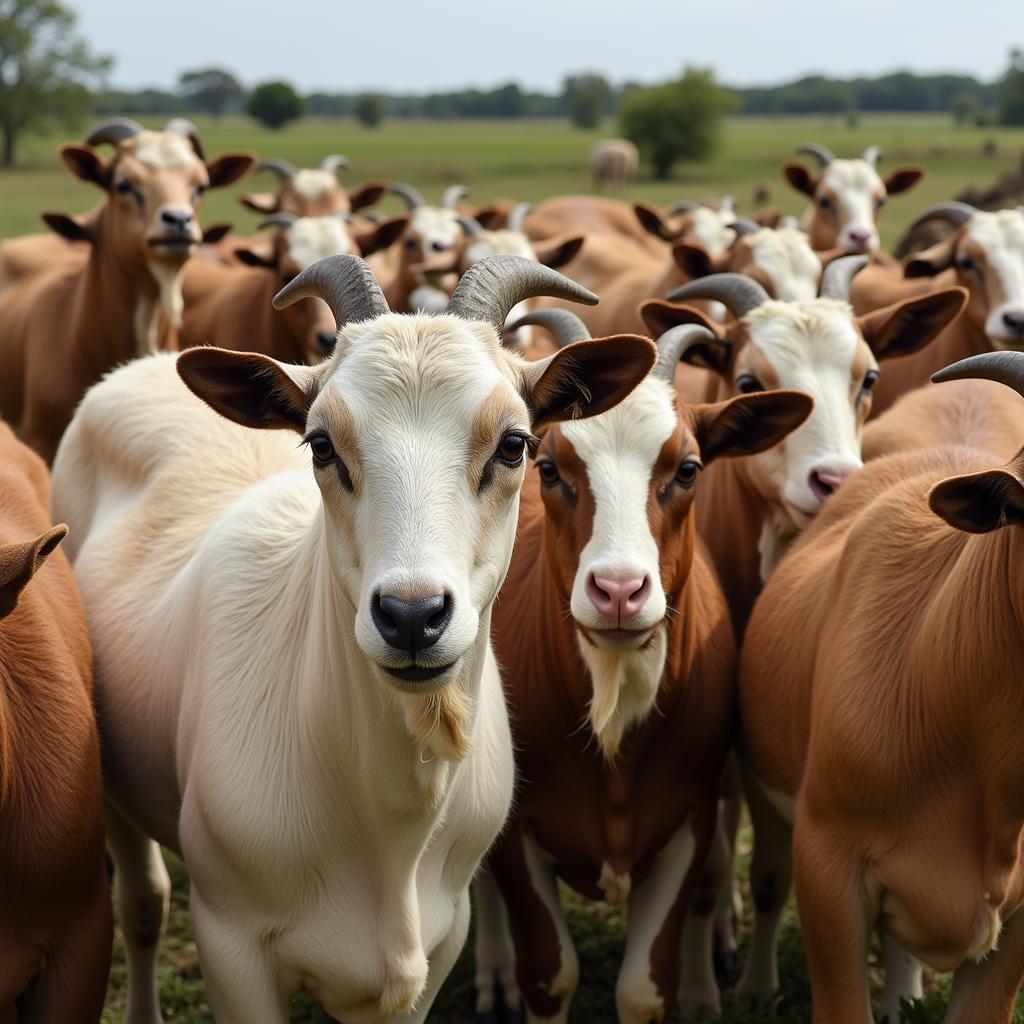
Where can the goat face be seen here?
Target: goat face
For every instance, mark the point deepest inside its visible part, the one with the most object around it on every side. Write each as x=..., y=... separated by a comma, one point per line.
x=432, y=239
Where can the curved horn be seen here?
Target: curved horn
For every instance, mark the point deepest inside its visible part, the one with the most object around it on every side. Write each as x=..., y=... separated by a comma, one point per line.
x=282, y=219
x=282, y=168
x=490, y=288
x=471, y=226
x=564, y=324
x=745, y=226
x=953, y=212
x=683, y=206
x=740, y=294
x=411, y=197
x=673, y=344
x=345, y=283
x=872, y=155
x=1005, y=367
x=335, y=162
x=114, y=131
x=822, y=154
x=452, y=195
x=837, y=276
x=183, y=126
x=517, y=216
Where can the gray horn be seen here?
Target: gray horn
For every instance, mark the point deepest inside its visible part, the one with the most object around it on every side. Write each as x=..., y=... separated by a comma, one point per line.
x=565, y=325
x=822, y=154
x=953, y=212
x=282, y=219
x=411, y=197
x=745, y=226
x=282, y=168
x=683, y=206
x=452, y=195
x=1005, y=367
x=114, y=131
x=335, y=162
x=739, y=294
x=345, y=283
x=673, y=344
x=517, y=216
x=183, y=126
x=872, y=155
x=490, y=288
x=471, y=226
x=837, y=276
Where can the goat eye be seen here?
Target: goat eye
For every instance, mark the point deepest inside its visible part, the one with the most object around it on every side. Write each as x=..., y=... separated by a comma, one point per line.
x=322, y=449
x=124, y=187
x=870, y=379
x=686, y=474
x=410, y=243
x=880, y=202
x=512, y=449
x=748, y=383
x=548, y=472
x=825, y=203
x=439, y=246
x=965, y=263
x=200, y=189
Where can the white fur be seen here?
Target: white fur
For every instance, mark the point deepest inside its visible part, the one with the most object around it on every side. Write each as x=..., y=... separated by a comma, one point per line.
x=711, y=229
x=330, y=830
x=792, y=266
x=856, y=185
x=313, y=184
x=1001, y=235
x=164, y=151
x=314, y=238
x=434, y=224
x=499, y=243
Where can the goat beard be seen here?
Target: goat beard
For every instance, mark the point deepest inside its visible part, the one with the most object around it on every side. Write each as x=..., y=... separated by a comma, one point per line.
x=441, y=721
x=170, y=301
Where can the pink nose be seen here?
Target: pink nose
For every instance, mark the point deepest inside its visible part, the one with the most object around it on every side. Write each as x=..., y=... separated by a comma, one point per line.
x=860, y=239
x=826, y=482
x=619, y=599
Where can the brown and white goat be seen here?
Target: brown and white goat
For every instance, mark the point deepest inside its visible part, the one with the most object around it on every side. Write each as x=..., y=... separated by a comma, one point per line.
x=312, y=191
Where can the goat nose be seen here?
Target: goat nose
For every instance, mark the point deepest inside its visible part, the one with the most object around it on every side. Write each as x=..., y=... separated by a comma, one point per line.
x=326, y=340
x=825, y=482
x=411, y=626
x=1015, y=322
x=619, y=599
x=177, y=219
x=860, y=239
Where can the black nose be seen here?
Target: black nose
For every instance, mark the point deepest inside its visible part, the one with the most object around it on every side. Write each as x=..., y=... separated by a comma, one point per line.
x=326, y=340
x=414, y=626
x=179, y=220
x=1015, y=321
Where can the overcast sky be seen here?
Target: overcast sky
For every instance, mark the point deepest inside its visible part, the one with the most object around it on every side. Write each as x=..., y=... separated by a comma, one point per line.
x=406, y=46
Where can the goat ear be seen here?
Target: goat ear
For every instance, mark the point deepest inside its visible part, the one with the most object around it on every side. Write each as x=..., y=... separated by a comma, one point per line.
x=20, y=562
x=586, y=378
x=693, y=259
x=979, y=502
x=248, y=388
x=370, y=193
x=216, y=233
x=557, y=252
x=85, y=163
x=66, y=226
x=259, y=202
x=229, y=168
x=490, y=216
x=251, y=258
x=748, y=424
x=652, y=221
x=382, y=235
x=904, y=327
x=931, y=261
x=660, y=315
x=902, y=179
x=800, y=178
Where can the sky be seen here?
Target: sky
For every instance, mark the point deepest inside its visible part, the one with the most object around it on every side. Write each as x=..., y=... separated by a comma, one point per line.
x=406, y=46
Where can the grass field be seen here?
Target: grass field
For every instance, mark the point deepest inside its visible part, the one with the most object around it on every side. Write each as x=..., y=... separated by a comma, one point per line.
x=523, y=159
x=530, y=160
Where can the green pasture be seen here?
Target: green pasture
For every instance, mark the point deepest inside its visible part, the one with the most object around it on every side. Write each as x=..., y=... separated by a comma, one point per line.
x=533, y=159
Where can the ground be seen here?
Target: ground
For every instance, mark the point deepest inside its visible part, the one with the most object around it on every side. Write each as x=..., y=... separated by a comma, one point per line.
x=532, y=160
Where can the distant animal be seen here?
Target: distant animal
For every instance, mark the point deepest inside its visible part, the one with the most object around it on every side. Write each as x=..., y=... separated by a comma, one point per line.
x=613, y=163
x=312, y=191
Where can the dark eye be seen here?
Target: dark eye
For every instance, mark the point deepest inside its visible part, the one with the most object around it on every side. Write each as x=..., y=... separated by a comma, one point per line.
x=410, y=243
x=548, y=472
x=870, y=378
x=439, y=246
x=124, y=187
x=880, y=202
x=686, y=474
x=966, y=264
x=322, y=449
x=200, y=189
x=512, y=449
x=826, y=204
x=748, y=383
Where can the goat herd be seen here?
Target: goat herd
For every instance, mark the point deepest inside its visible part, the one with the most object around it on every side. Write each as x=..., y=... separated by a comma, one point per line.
x=352, y=655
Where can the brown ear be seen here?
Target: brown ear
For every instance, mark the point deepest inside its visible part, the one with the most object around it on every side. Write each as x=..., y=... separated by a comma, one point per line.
x=586, y=378
x=768, y=218
x=800, y=178
x=259, y=202
x=491, y=216
x=251, y=258
x=250, y=389
x=693, y=259
x=368, y=194
x=660, y=315
x=748, y=424
x=652, y=221
x=979, y=502
x=85, y=163
x=382, y=235
x=931, y=261
x=229, y=168
x=20, y=562
x=216, y=233
x=557, y=252
x=904, y=327
x=66, y=226
x=902, y=179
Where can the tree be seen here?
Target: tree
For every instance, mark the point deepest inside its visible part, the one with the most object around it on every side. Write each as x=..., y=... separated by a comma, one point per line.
x=274, y=104
x=588, y=97
x=46, y=70
x=369, y=110
x=681, y=120
x=1011, y=91
x=965, y=107
x=211, y=90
